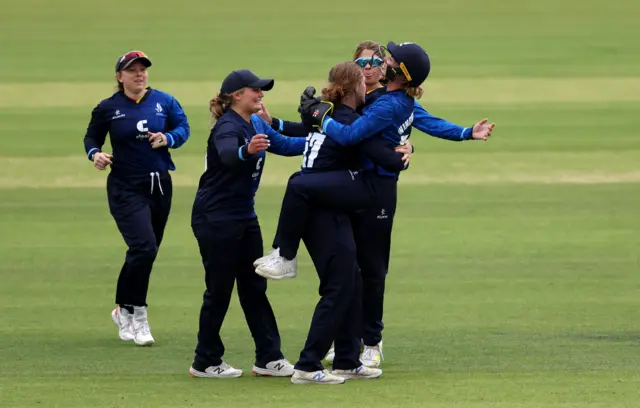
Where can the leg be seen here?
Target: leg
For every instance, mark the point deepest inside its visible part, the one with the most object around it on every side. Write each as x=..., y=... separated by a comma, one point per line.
x=220, y=246
x=132, y=214
x=329, y=240
x=252, y=291
x=339, y=190
x=347, y=342
x=372, y=231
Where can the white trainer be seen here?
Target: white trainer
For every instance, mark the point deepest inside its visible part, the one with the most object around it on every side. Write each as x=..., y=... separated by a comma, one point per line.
x=124, y=320
x=372, y=355
x=141, y=328
x=264, y=259
x=316, y=377
x=278, y=267
x=331, y=354
x=223, y=370
x=278, y=368
x=361, y=373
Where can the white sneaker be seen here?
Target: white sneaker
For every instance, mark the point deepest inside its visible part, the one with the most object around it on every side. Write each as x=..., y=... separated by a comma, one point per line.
x=141, y=329
x=224, y=370
x=124, y=320
x=372, y=355
x=316, y=377
x=278, y=267
x=361, y=373
x=278, y=368
x=261, y=260
x=331, y=355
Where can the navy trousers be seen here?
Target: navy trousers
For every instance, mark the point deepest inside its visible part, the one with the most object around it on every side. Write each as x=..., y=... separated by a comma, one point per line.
x=328, y=237
x=228, y=249
x=372, y=232
x=343, y=191
x=140, y=208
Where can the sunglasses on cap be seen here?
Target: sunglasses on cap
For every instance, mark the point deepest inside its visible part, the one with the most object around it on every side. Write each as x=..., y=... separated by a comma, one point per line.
x=128, y=58
x=372, y=61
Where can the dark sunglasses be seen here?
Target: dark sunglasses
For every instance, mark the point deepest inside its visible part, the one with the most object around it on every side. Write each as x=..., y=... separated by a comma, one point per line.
x=372, y=61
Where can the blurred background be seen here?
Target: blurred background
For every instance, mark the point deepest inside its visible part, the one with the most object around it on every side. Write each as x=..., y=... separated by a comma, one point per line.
x=513, y=279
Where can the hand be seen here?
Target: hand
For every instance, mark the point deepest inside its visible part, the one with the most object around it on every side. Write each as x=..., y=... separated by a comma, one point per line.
x=312, y=110
x=406, y=149
x=264, y=114
x=258, y=143
x=482, y=131
x=157, y=140
x=101, y=160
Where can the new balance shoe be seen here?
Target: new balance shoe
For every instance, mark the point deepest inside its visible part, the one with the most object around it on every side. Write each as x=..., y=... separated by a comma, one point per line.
x=124, y=321
x=361, y=373
x=223, y=370
x=141, y=329
x=316, y=377
x=264, y=259
x=278, y=368
x=278, y=267
x=372, y=355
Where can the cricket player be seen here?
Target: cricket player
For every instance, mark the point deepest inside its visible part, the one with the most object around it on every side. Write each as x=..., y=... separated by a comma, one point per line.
x=226, y=227
x=143, y=124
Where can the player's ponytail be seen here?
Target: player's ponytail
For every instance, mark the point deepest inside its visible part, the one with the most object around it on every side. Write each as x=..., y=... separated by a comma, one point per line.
x=219, y=105
x=414, y=91
x=344, y=78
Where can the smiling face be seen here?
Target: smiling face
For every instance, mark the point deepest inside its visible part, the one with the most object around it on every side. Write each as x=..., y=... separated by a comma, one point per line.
x=248, y=100
x=134, y=78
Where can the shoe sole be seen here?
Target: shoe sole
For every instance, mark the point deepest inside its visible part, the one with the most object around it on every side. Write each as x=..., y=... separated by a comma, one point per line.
x=115, y=321
x=144, y=343
x=265, y=372
x=267, y=276
x=200, y=374
x=302, y=381
x=358, y=377
x=371, y=364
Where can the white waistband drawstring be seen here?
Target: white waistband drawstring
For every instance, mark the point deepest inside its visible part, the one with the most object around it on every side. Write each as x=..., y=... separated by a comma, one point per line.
x=159, y=183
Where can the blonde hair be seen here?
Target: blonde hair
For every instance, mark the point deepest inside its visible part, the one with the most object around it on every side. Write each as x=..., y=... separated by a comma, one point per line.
x=344, y=78
x=368, y=45
x=219, y=105
x=414, y=91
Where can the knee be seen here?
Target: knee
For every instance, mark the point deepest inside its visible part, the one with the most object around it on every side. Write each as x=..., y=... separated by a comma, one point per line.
x=146, y=250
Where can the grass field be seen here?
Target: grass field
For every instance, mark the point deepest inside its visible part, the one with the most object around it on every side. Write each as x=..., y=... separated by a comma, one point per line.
x=514, y=276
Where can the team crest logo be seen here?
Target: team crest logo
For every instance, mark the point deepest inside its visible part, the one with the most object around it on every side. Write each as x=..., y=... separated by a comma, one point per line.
x=158, y=108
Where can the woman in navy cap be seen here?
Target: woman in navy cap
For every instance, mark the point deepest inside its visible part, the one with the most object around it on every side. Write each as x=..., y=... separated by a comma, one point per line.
x=143, y=124
x=226, y=227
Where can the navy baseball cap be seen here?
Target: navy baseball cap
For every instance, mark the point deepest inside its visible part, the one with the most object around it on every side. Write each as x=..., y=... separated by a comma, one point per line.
x=244, y=78
x=124, y=61
x=414, y=61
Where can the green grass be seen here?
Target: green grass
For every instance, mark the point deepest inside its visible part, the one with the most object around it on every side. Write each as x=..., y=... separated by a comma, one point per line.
x=513, y=278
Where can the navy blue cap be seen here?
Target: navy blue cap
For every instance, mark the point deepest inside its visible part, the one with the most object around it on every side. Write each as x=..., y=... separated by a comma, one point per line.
x=124, y=61
x=414, y=61
x=244, y=78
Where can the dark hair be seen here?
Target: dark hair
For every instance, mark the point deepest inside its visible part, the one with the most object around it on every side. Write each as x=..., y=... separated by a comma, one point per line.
x=371, y=46
x=119, y=85
x=344, y=78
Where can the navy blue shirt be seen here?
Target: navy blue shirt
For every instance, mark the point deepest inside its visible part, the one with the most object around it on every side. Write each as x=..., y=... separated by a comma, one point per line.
x=127, y=123
x=325, y=154
x=231, y=178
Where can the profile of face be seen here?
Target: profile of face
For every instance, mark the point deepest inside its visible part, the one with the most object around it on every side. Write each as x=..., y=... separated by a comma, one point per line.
x=134, y=78
x=249, y=99
x=372, y=74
